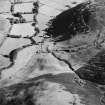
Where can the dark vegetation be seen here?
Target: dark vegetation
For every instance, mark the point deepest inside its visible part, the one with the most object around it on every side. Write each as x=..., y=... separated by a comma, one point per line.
x=70, y=22
x=94, y=70
x=18, y=94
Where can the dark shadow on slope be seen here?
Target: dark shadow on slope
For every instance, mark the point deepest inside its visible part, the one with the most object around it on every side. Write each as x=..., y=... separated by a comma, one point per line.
x=94, y=70
x=70, y=22
x=26, y=93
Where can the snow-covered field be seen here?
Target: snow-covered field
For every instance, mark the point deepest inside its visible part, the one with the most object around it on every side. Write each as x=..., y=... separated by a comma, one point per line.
x=23, y=7
x=24, y=29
